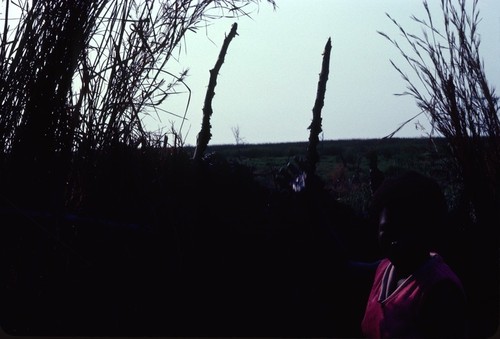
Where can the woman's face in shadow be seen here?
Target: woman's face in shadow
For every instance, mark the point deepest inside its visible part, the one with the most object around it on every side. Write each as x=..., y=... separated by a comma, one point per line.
x=399, y=237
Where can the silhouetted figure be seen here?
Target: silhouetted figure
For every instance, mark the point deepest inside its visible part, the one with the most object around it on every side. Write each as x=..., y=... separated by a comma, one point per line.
x=376, y=175
x=414, y=292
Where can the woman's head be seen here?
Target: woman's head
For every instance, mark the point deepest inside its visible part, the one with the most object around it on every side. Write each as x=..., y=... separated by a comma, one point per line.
x=410, y=209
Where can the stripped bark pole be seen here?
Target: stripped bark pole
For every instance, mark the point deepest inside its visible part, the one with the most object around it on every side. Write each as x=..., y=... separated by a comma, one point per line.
x=204, y=135
x=315, y=127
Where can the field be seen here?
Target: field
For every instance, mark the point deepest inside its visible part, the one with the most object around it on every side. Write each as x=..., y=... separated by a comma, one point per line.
x=344, y=164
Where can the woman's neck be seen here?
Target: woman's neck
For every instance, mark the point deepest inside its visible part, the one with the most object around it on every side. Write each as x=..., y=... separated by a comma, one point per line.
x=410, y=265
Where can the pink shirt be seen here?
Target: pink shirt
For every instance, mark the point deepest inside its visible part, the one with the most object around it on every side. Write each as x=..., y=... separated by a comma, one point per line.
x=396, y=314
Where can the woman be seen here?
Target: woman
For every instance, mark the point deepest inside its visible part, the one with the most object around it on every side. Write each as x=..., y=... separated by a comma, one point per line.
x=414, y=293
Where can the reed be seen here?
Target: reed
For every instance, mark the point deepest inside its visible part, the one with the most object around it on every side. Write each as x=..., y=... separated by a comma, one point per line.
x=451, y=88
x=79, y=78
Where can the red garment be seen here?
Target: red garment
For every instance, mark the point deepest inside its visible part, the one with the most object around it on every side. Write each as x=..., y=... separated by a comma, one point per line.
x=396, y=315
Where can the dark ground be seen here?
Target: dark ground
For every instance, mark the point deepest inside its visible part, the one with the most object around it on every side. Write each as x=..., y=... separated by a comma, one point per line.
x=203, y=251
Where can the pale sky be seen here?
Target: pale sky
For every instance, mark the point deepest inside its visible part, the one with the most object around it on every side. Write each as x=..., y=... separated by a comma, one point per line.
x=268, y=82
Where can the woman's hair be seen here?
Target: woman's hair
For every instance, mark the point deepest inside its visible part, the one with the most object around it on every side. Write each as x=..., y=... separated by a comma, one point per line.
x=415, y=197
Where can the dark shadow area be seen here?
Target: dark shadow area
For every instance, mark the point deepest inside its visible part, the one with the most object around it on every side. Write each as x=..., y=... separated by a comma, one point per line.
x=173, y=247
x=177, y=248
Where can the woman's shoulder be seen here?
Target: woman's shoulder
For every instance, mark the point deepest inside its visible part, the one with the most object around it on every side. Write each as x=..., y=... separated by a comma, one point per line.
x=442, y=274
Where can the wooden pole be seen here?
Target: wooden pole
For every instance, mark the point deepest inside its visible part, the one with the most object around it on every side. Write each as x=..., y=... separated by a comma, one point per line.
x=315, y=127
x=204, y=135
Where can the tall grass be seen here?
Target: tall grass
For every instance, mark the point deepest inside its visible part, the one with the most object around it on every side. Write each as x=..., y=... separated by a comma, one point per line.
x=451, y=87
x=78, y=78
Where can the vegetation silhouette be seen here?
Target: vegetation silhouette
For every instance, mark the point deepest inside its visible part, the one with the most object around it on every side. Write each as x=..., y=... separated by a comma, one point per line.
x=112, y=230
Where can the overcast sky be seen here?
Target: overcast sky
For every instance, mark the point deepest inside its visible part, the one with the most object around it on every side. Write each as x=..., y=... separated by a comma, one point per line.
x=268, y=82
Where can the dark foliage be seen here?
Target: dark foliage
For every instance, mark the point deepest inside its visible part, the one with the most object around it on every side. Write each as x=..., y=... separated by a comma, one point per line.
x=169, y=246
x=164, y=245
